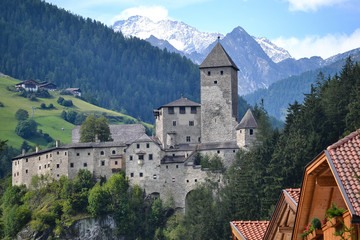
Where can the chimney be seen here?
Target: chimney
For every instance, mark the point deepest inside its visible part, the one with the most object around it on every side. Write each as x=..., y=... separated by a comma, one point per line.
x=97, y=138
x=57, y=143
x=37, y=149
x=23, y=152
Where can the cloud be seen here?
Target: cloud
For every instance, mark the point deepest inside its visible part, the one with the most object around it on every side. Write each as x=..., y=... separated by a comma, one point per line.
x=155, y=13
x=325, y=46
x=311, y=5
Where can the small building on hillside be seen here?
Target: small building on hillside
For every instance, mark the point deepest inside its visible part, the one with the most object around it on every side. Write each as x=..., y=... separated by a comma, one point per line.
x=48, y=86
x=28, y=85
x=74, y=91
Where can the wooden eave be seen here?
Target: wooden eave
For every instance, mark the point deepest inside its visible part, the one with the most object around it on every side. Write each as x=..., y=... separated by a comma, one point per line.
x=320, y=182
x=283, y=209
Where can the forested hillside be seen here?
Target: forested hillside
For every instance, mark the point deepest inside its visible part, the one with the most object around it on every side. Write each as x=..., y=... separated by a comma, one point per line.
x=40, y=41
x=284, y=92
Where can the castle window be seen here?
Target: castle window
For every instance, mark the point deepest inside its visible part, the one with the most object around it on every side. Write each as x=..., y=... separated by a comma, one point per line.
x=102, y=163
x=15, y=163
x=124, y=150
x=182, y=110
x=102, y=153
x=47, y=156
x=187, y=138
x=141, y=157
x=171, y=110
x=48, y=165
x=191, y=123
x=233, y=150
x=17, y=173
x=215, y=82
x=85, y=164
x=187, y=180
x=173, y=179
x=218, y=151
x=113, y=152
x=131, y=174
x=26, y=171
x=88, y=154
x=150, y=157
x=193, y=110
x=26, y=160
x=57, y=153
x=195, y=180
x=45, y=166
x=57, y=165
x=177, y=166
x=50, y=155
x=209, y=73
x=39, y=158
x=71, y=165
x=174, y=123
x=167, y=166
x=199, y=139
x=137, y=145
x=116, y=162
x=65, y=153
x=154, y=176
x=39, y=167
x=251, y=131
x=141, y=174
x=240, y=131
x=221, y=72
x=131, y=158
x=58, y=175
x=77, y=154
x=148, y=145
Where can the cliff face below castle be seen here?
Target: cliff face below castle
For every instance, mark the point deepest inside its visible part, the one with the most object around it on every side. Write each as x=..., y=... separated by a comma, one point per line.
x=84, y=229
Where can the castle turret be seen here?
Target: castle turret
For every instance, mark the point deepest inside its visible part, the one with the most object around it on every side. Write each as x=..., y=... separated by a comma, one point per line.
x=178, y=122
x=246, y=130
x=219, y=96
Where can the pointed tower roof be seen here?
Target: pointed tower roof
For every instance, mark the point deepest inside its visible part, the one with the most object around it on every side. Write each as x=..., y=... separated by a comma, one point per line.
x=218, y=57
x=248, y=121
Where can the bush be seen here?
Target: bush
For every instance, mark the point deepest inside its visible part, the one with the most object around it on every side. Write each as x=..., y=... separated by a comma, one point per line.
x=60, y=100
x=21, y=114
x=1, y=104
x=26, y=129
x=43, y=106
x=42, y=93
x=99, y=201
x=51, y=106
x=67, y=103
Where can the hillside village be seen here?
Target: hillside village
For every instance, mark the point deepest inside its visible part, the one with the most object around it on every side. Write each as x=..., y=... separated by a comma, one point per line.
x=163, y=165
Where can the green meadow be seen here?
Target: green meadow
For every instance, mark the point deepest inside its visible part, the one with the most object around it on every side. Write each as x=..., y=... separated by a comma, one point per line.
x=48, y=120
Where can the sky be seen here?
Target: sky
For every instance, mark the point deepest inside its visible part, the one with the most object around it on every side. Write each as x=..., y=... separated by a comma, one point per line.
x=303, y=27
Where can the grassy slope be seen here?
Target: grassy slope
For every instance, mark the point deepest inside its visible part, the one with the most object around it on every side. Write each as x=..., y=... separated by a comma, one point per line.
x=48, y=120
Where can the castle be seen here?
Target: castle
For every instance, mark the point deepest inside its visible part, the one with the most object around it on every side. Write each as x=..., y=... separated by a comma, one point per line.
x=162, y=165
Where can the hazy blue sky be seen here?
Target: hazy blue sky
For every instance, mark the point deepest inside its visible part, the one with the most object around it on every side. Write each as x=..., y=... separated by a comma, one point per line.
x=303, y=27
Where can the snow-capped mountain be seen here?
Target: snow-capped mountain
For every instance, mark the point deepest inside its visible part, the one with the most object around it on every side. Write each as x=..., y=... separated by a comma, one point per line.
x=277, y=54
x=180, y=35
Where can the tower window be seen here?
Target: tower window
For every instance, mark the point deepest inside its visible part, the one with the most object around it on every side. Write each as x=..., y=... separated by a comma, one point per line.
x=251, y=131
x=171, y=110
x=113, y=152
x=209, y=73
x=77, y=154
x=191, y=123
x=215, y=82
x=193, y=110
x=102, y=163
x=85, y=164
x=71, y=165
x=88, y=154
x=187, y=138
x=174, y=123
x=131, y=174
x=116, y=162
x=221, y=72
x=57, y=165
x=148, y=145
x=141, y=157
x=141, y=174
x=102, y=153
x=137, y=145
x=131, y=158
x=150, y=157
x=182, y=110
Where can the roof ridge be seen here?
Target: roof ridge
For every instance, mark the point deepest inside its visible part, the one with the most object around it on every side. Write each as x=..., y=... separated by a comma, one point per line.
x=343, y=140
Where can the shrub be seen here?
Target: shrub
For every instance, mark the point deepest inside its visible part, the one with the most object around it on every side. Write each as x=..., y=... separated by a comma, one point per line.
x=67, y=103
x=26, y=129
x=51, y=106
x=99, y=201
x=1, y=104
x=60, y=100
x=21, y=114
x=43, y=106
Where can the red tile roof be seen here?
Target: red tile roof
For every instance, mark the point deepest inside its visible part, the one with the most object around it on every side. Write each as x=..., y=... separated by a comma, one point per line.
x=251, y=230
x=345, y=155
x=294, y=193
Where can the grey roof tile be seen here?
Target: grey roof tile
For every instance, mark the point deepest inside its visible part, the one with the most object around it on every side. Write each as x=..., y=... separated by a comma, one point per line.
x=181, y=102
x=248, y=121
x=218, y=57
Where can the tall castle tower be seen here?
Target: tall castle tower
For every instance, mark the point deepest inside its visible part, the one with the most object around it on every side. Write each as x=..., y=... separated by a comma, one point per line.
x=219, y=97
